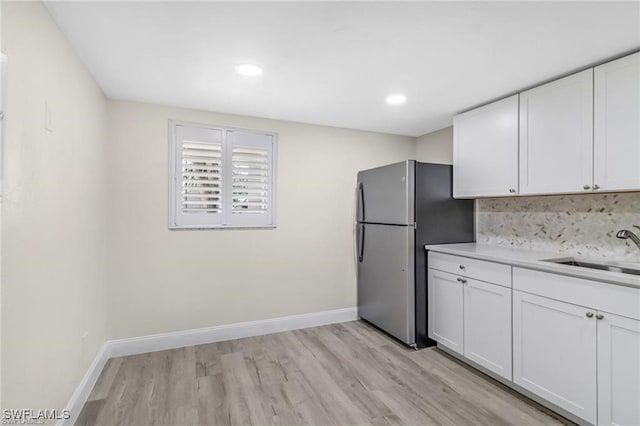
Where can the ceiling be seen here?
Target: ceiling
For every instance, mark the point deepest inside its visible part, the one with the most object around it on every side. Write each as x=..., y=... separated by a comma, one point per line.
x=333, y=63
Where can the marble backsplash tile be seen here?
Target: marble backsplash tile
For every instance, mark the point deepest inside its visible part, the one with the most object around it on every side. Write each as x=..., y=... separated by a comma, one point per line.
x=583, y=225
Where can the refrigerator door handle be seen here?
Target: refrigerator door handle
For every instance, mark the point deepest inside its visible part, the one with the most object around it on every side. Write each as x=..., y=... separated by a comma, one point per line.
x=361, y=201
x=361, y=229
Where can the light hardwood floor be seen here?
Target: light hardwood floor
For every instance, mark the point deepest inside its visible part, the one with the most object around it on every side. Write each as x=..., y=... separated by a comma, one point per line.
x=341, y=374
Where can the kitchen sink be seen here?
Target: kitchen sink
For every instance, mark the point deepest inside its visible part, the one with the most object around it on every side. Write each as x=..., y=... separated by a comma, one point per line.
x=591, y=265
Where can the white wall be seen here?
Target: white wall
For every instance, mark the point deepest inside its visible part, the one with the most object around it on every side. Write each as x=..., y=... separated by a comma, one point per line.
x=436, y=147
x=87, y=255
x=162, y=281
x=53, y=214
x=1, y=144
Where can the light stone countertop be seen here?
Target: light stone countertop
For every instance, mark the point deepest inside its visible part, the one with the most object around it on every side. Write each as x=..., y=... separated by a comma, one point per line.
x=531, y=259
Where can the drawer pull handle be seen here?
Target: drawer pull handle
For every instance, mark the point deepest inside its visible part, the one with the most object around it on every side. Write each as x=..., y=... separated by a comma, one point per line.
x=461, y=280
x=589, y=314
x=461, y=266
x=599, y=316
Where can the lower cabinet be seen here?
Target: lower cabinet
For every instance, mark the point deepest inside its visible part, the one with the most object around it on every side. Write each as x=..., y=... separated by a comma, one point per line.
x=583, y=360
x=472, y=318
x=487, y=326
x=571, y=341
x=618, y=370
x=554, y=352
x=445, y=309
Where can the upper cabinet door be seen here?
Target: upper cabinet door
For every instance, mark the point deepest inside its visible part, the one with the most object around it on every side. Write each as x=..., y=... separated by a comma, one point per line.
x=556, y=136
x=616, y=142
x=485, y=150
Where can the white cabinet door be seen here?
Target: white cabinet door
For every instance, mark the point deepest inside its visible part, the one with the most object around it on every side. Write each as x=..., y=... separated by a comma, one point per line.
x=487, y=326
x=616, y=143
x=554, y=352
x=618, y=370
x=445, y=304
x=485, y=150
x=556, y=136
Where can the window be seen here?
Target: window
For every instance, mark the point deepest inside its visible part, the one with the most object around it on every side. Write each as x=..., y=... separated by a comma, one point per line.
x=220, y=177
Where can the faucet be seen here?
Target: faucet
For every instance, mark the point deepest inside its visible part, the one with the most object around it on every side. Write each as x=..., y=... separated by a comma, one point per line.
x=624, y=234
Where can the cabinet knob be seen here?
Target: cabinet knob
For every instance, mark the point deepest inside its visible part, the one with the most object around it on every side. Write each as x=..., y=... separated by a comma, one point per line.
x=599, y=316
x=596, y=186
x=511, y=190
x=589, y=314
x=461, y=266
x=586, y=187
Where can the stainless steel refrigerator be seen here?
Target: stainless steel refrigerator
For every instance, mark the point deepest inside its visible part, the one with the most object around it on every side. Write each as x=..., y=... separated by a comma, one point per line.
x=402, y=207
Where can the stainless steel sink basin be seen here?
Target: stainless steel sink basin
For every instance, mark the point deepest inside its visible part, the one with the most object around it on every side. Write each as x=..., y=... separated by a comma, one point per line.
x=600, y=266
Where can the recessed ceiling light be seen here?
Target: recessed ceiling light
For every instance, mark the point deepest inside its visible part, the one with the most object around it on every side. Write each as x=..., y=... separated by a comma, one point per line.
x=249, y=70
x=396, y=99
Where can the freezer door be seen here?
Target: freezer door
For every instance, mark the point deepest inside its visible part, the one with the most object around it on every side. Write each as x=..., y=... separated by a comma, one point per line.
x=386, y=290
x=386, y=194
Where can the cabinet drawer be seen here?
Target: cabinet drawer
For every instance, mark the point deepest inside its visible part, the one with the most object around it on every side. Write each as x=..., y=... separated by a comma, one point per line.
x=604, y=297
x=495, y=273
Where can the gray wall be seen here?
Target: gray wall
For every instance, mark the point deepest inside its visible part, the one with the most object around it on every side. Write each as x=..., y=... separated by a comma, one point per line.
x=436, y=147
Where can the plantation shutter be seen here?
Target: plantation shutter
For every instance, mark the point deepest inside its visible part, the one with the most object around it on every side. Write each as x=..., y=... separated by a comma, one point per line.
x=221, y=178
x=199, y=182
x=250, y=179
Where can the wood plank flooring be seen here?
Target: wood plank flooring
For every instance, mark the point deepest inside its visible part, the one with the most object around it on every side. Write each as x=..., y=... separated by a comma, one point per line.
x=341, y=374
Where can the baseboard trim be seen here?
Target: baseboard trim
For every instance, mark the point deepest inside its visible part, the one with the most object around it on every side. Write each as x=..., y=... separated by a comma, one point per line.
x=199, y=336
x=80, y=396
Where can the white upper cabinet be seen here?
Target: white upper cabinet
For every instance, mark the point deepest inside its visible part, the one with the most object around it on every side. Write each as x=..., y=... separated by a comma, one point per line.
x=556, y=136
x=485, y=150
x=578, y=134
x=617, y=124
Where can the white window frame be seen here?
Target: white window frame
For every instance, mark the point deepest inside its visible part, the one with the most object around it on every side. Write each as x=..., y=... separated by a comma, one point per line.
x=226, y=220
